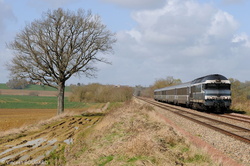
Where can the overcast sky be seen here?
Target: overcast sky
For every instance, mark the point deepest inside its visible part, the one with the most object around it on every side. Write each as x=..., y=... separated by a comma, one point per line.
x=185, y=39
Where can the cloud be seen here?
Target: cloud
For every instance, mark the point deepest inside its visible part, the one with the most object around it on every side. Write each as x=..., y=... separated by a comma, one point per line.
x=138, y=4
x=182, y=39
x=50, y=3
x=182, y=22
x=5, y=15
x=241, y=40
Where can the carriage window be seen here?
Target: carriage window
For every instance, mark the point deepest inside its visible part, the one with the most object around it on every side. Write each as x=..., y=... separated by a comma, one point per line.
x=198, y=88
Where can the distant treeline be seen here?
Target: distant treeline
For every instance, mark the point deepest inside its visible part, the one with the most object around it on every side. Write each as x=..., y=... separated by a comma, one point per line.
x=17, y=83
x=160, y=83
x=28, y=85
x=100, y=93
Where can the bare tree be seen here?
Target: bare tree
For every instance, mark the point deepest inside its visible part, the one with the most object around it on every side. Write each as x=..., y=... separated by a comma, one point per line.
x=59, y=45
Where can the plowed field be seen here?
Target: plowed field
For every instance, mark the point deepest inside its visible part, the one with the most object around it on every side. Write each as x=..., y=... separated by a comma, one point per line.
x=15, y=118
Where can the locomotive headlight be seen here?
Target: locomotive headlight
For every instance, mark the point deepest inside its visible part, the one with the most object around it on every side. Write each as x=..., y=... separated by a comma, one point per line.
x=208, y=97
x=226, y=97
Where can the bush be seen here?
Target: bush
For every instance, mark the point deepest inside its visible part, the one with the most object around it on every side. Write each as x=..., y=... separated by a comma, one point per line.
x=33, y=93
x=17, y=83
x=100, y=93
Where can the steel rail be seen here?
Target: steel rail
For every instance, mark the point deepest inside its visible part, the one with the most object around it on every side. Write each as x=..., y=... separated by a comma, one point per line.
x=237, y=118
x=180, y=113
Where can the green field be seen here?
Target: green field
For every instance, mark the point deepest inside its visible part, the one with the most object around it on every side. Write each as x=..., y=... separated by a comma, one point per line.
x=35, y=102
x=36, y=87
x=3, y=86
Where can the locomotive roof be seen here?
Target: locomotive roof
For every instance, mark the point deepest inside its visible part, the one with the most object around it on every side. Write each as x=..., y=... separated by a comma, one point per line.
x=209, y=77
x=175, y=86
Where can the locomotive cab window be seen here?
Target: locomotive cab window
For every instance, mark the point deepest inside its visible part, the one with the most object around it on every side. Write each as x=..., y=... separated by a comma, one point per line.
x=217, y=86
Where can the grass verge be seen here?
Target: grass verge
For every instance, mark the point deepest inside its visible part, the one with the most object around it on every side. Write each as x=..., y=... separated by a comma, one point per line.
x=133, y=135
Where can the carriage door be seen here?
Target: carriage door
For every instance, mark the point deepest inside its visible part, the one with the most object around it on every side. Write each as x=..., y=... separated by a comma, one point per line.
x=191, y=91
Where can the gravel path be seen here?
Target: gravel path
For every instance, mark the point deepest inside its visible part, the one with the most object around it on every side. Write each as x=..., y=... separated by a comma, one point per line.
x=232, y=148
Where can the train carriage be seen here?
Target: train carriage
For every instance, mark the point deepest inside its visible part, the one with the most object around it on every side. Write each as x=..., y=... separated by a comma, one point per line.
x=178, y=94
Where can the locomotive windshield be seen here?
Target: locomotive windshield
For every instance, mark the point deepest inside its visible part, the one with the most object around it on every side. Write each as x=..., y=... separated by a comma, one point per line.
x=218, y=86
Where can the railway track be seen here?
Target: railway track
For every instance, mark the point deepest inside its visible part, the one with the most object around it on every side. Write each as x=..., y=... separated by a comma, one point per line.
x=235, y=131
x=237, y=117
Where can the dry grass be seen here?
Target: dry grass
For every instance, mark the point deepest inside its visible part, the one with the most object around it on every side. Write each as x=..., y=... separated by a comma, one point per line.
x=241, y=106
x=133, y=135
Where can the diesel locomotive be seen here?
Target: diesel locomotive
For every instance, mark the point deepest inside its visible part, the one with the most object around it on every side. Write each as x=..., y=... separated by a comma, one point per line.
x=211, y=93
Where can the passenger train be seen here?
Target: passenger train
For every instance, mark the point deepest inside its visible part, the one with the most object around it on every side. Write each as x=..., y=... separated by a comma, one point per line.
x=211, y=92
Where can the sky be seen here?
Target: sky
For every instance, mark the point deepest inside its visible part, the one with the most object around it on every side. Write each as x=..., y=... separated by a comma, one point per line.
x=185, y=39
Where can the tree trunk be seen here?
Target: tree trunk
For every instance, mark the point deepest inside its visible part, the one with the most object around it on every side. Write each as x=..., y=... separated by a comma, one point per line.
x=60, y=98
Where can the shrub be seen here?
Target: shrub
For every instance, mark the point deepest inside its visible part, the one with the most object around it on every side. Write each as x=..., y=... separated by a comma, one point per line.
x=33, y=93
x=17, y=83
x=100, y=93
